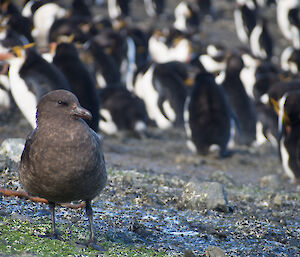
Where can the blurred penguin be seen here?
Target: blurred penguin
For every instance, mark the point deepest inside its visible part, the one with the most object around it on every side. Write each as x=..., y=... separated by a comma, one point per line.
x=118, y=8
x=261, y=42
x=187, y=17
x=240, y=103
x=207, y=115
x=162, y=88
x=288, y=20
x=81, y=81
x=290, y=60
x=154, y=8
x=122, y=110
x=30, y=77
x=245, y=15
x=289, y=133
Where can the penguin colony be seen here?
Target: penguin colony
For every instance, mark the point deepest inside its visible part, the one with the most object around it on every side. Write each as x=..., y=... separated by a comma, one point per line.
x=132, y=77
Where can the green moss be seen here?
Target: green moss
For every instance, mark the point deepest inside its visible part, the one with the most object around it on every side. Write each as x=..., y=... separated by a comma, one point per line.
x=19, y=237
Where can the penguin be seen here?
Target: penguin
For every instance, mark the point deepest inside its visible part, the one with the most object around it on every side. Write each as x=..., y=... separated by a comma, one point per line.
x=106, y=68
x=245, y=15
x=122, y=110
x=240, y=103
x=287, y=13
x=170, y=46
x=154, y=8
x=205, y=7
x=79, y=23
x=9, y=38
x=172, y=92
x=162, y=88
x=278, y=89
x=256, y=73
x=30, y=6
x=23, y=26
x=267, y=103
x=6, y=101
x=81, y=81
x=207, y=116
x=261, y=42
x=266, y=126
x=43, y=18
x=214, y=58
x=248, y=72
x=81, y=9
x=30, y=77
x=187, y=18
x=80, y=29
x=290, y=60
x=289, y=134
x=140, y=39
x=265, y=3
x=118, y=8
x=265, y=75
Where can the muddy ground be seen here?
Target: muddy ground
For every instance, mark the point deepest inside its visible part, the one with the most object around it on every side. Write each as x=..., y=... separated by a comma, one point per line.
x=142, y=204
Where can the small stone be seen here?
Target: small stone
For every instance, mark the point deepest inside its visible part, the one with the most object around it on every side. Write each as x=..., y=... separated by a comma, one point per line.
x=277, y=200
x=214, y=251
x=189, y=253
x=210, y=195
x=13, y=148
x=21, y=217
x=223, y=177
x=131, y=176
x=4, y=162
x=270, y=181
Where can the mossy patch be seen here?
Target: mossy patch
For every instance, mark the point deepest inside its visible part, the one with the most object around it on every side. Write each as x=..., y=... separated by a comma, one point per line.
x=24, y=237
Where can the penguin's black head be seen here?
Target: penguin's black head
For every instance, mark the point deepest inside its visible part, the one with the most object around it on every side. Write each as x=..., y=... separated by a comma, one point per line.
x=66, y=49
x=204, y=77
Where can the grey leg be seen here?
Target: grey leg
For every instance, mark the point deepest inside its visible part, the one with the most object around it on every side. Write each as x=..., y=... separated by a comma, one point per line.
x=89, y=213
x=53, y=227
x=92, y=240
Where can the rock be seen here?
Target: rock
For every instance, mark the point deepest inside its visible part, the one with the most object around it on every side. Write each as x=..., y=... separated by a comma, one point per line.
x=131, y=176
x=277, y=200
x=188, y=253
x=223, y=177
x=214, y=251
x=13, y=148
x=4, y=162
x=210, y=195
x=270, y=181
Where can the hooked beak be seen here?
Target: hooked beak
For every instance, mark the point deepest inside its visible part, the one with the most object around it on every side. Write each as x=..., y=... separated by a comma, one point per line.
x=80, y=112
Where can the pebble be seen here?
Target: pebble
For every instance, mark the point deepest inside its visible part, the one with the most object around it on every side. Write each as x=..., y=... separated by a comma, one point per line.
x=214, y=251
x=270, y=181
x=210, y=195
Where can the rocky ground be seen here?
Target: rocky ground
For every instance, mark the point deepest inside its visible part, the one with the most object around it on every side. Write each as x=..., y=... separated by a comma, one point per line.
x=160, y=199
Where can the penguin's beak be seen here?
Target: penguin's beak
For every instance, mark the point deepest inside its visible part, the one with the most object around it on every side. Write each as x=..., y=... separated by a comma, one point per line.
x=80, y=112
